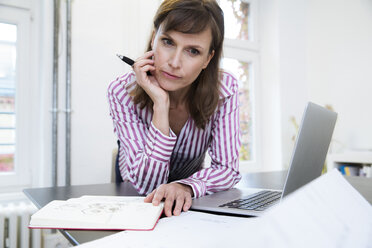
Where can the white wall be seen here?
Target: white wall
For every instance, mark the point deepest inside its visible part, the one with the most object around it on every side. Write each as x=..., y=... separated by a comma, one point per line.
x=100, y=30
x=293, y=73
x=270, y=85
x=325, y=56
x=339, y=70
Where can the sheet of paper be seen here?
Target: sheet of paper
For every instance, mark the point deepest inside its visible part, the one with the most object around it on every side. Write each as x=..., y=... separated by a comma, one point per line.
x=328, y=212
x=190, y=229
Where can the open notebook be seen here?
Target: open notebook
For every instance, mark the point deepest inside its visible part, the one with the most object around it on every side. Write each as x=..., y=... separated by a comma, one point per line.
x=98, y=213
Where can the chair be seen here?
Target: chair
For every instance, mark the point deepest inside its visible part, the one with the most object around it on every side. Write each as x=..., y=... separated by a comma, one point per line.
x=115, y=172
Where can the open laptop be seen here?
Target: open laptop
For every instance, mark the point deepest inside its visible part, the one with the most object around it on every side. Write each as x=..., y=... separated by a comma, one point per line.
x=307, y=162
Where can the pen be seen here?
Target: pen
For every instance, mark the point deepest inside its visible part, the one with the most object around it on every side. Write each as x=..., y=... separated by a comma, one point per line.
x=129, y=61
x=126, y=59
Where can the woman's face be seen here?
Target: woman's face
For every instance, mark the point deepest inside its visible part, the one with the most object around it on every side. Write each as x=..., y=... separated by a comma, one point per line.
x=179, y=58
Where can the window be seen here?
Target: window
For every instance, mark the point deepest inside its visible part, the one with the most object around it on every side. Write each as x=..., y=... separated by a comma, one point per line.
x=241, y=55
x=8, y=39
x=14, y=97
x=243, y=71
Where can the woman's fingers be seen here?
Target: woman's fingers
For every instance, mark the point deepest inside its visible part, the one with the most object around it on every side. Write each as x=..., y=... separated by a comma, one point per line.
x=159, y=195
x=168, y=205
x=176, y=195
x=144, y=60
x=179, y=204
x=149, y=83
x=188, y=203
x=141, y=67
x=146, y=55
x=150, y=196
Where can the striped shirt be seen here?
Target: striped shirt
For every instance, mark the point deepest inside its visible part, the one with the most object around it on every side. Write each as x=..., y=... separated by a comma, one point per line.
x=148, y=158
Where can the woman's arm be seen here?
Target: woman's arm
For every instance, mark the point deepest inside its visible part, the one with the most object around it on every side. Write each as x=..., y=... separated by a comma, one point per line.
x=150, y=85
x=147, y=150
x=224, y=149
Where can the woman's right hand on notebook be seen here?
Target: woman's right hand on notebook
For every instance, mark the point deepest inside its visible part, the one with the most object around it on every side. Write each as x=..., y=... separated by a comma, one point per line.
x=177, y=198
x=149, y=83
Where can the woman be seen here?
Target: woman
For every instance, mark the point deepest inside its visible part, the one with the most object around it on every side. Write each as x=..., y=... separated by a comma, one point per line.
x=166, y=121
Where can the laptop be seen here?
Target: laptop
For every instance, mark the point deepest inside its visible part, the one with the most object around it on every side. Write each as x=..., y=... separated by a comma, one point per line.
x=307, y=162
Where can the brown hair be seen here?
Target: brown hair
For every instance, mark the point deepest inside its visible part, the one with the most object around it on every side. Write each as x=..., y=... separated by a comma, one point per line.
x=193, y=16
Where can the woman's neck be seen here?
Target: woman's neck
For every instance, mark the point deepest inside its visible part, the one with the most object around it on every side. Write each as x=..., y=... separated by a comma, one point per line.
x=178, y=98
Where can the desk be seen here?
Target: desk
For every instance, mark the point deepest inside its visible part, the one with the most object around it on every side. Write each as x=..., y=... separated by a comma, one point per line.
x=275, y=180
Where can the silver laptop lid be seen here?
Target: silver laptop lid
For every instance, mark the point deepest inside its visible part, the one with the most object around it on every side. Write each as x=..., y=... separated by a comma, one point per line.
x=311, y=147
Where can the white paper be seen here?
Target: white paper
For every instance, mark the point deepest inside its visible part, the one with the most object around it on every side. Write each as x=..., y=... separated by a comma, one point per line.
x=190, y=229
x=328, y=212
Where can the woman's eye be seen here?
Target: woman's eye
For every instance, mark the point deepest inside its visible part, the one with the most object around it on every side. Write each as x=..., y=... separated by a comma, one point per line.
x=194, y=51
x=167, y=42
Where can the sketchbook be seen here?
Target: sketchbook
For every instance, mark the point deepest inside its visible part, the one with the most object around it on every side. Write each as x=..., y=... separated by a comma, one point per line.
x=98, y=213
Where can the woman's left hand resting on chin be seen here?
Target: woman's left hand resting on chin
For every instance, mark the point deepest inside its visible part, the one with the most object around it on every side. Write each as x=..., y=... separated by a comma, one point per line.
x=174, y=194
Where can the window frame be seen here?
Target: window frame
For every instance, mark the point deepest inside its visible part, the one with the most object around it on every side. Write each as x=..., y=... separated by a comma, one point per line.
x=252, y=44
x=21, y=176
x=248, y=51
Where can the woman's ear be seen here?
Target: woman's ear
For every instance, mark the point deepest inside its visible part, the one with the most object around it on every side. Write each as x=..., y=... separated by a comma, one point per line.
x=210, y=56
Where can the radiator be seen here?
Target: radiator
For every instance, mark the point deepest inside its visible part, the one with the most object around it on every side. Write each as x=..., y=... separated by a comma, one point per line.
x=14, y=231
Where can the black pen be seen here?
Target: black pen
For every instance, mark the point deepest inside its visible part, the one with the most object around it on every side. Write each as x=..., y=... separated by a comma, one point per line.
x=129, y=61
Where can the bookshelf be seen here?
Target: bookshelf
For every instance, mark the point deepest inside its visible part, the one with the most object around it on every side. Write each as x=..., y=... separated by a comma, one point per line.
x=351, y=163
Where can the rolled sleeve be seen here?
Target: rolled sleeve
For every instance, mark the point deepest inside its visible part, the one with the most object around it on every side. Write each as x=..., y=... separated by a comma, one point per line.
x=198, y=186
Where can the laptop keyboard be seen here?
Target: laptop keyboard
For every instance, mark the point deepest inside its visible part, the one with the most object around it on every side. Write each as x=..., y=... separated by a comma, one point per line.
x=258, y=201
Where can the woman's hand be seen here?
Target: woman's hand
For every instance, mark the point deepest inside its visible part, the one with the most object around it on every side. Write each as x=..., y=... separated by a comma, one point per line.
x=174, y=194
x=149, y=83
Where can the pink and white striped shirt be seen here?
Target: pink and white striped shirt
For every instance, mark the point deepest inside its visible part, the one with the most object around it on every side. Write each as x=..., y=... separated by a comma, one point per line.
x=148, y=158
